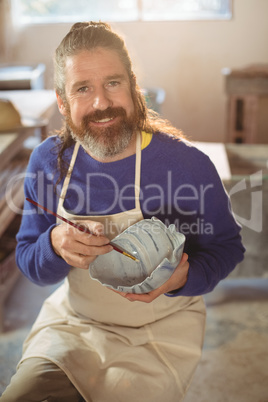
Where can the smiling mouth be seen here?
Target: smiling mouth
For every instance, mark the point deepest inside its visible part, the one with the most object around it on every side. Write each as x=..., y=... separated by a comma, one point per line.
x=107, y=121
x=105, y=117
x=104, y=120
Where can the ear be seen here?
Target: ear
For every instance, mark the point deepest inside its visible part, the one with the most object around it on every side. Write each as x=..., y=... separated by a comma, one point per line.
x=61, y=105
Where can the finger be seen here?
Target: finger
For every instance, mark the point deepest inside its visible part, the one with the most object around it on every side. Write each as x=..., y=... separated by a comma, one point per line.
x=85, y=257
x=95, y=228
x=92, y=240
x=145, y=297
x=78, y=261
x=86, y=238
x=90, y=248
x=184, y=258
x=81, y=249
x=123, y=294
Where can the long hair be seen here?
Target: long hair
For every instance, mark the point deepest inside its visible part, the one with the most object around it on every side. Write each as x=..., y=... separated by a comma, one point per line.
x=89, y=36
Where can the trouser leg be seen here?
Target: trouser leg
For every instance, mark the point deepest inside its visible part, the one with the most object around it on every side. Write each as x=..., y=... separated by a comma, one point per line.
x=39, y=379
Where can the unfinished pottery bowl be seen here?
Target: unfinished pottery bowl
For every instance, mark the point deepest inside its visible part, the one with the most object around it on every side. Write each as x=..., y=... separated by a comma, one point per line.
x=158, y=250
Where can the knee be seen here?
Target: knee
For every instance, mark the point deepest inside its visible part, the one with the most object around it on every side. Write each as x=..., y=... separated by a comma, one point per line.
x=39, y=379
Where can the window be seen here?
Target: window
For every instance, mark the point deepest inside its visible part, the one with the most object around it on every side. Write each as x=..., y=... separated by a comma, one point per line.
x=42, y=11
x=153, y=10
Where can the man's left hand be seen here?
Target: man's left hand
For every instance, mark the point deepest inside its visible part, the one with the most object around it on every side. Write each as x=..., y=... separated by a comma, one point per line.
x=176, y=281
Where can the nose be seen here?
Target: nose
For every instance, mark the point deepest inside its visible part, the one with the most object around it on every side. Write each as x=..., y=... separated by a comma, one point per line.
x=101, y=100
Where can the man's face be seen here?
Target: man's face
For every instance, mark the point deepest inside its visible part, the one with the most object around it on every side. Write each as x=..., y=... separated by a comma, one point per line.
x=99, y=108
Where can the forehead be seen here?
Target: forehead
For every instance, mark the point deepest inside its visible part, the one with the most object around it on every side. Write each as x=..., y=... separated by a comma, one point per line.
x=94, y=64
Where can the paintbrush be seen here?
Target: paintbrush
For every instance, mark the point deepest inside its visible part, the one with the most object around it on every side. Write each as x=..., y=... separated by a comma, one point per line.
x=82, y=229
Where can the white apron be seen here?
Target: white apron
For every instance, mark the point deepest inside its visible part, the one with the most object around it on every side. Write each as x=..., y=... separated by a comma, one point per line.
x=111, y=349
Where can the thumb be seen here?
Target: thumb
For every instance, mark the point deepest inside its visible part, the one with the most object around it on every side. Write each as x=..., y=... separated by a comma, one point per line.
x=184, y=258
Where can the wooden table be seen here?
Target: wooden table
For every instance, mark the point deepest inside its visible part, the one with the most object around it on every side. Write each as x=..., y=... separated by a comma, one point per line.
x=33, y=105
x=36, y=104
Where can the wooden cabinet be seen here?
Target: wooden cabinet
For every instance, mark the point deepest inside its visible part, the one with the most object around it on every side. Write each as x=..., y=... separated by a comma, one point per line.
x=247, y=118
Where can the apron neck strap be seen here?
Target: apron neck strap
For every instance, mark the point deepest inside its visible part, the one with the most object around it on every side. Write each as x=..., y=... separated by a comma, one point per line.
x=68, y=175
x=137, y=172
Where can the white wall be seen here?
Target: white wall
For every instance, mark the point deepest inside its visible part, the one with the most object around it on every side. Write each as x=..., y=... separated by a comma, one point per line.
x=185, y=58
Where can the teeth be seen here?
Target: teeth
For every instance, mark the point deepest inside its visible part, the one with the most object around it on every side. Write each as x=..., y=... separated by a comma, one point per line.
x=104, y=120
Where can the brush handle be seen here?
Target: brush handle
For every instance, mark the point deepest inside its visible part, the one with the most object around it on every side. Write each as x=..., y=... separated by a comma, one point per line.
x=77, y=226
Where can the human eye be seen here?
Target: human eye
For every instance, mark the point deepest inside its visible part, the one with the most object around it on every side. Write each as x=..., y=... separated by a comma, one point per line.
x=113, y=84
x=82, y=89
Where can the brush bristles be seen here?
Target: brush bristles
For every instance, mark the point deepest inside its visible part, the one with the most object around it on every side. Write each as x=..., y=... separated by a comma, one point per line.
x=130, y=256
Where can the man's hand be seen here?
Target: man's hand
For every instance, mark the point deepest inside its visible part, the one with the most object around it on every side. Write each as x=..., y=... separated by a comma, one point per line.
x=77, y=248
x=176, y=281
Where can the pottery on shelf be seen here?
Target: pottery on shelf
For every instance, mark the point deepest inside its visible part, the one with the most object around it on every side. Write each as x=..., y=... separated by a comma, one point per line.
x=158, y=250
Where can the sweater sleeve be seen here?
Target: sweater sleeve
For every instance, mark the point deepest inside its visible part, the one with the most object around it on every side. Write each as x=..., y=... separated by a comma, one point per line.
x=35, y=256
x=214, y=244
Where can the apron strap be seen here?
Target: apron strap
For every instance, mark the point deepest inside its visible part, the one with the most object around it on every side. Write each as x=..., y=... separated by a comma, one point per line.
x=138, y=170
x=137, y=173
x=68, y=175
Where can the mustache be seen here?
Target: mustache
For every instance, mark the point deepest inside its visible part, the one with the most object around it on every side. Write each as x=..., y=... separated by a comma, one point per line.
x=109, y=113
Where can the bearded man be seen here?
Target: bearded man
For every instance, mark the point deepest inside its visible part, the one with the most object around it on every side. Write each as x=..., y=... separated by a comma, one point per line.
x=113, y=164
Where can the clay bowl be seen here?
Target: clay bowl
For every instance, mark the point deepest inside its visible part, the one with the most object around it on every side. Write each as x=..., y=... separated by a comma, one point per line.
x=158, y=250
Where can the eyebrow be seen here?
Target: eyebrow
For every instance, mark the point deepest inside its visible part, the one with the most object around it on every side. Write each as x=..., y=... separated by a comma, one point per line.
x=116, y=77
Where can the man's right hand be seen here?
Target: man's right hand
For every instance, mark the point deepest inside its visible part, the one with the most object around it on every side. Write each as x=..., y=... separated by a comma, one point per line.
x=78, y=248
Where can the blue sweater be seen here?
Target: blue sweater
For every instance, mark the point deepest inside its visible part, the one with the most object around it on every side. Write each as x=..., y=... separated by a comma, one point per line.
x=179, y=184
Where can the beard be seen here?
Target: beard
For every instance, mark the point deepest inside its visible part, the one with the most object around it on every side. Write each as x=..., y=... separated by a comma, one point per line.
x=103, y=142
